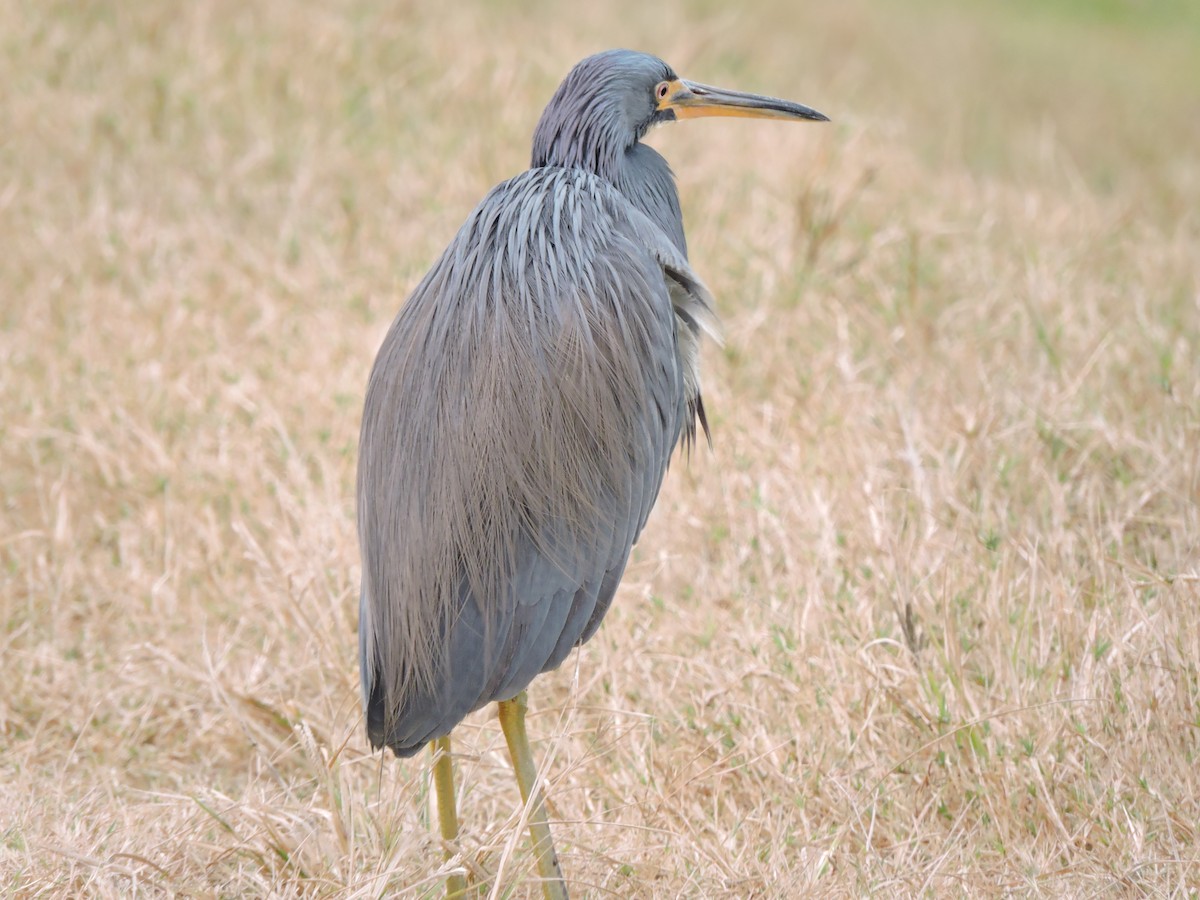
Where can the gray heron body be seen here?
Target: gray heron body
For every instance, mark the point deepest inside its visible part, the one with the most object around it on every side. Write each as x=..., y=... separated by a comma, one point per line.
x=521, y=413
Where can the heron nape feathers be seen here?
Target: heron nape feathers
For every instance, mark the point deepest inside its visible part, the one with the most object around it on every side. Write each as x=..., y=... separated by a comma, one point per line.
x=522, y=411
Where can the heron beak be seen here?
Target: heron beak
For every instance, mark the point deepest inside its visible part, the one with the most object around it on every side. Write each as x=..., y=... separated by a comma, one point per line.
x=689, y=100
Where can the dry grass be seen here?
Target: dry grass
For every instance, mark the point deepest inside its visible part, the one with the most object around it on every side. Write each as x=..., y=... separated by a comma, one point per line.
x=926, y=620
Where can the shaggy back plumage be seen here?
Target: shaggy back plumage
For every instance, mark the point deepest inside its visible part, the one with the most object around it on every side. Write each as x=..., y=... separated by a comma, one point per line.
x=518, y=424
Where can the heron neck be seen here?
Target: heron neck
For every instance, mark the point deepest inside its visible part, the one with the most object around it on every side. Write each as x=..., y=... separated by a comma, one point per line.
x=645, y=178
x=637, y=171
x=593, y=143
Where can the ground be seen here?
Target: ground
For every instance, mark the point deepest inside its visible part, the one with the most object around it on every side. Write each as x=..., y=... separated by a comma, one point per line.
x=925, y=620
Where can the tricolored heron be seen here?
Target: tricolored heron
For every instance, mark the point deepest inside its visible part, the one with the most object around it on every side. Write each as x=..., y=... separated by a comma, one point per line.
x=520, y=416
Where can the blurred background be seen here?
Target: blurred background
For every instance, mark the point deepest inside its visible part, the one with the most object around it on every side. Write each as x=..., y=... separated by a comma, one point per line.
x=924, y=620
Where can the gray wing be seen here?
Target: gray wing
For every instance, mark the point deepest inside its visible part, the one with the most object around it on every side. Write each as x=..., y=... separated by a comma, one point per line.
x=518, y=425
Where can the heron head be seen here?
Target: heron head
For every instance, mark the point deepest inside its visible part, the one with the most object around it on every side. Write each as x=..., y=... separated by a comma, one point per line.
x=610, y=100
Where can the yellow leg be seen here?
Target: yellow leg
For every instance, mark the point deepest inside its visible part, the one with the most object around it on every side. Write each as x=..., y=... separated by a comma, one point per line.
x=443, y=783
x=512, y=720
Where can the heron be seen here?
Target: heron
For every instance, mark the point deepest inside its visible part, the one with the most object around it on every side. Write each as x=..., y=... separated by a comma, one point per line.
x=520, y=417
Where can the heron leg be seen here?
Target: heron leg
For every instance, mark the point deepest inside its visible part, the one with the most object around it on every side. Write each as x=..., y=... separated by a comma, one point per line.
x=512, y=720
x=443, y=783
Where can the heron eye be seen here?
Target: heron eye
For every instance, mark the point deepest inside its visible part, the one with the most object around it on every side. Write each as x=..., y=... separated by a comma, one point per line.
x=661, y=91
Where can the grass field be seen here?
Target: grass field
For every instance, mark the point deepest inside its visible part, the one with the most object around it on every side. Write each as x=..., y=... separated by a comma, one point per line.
x=925, y=620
